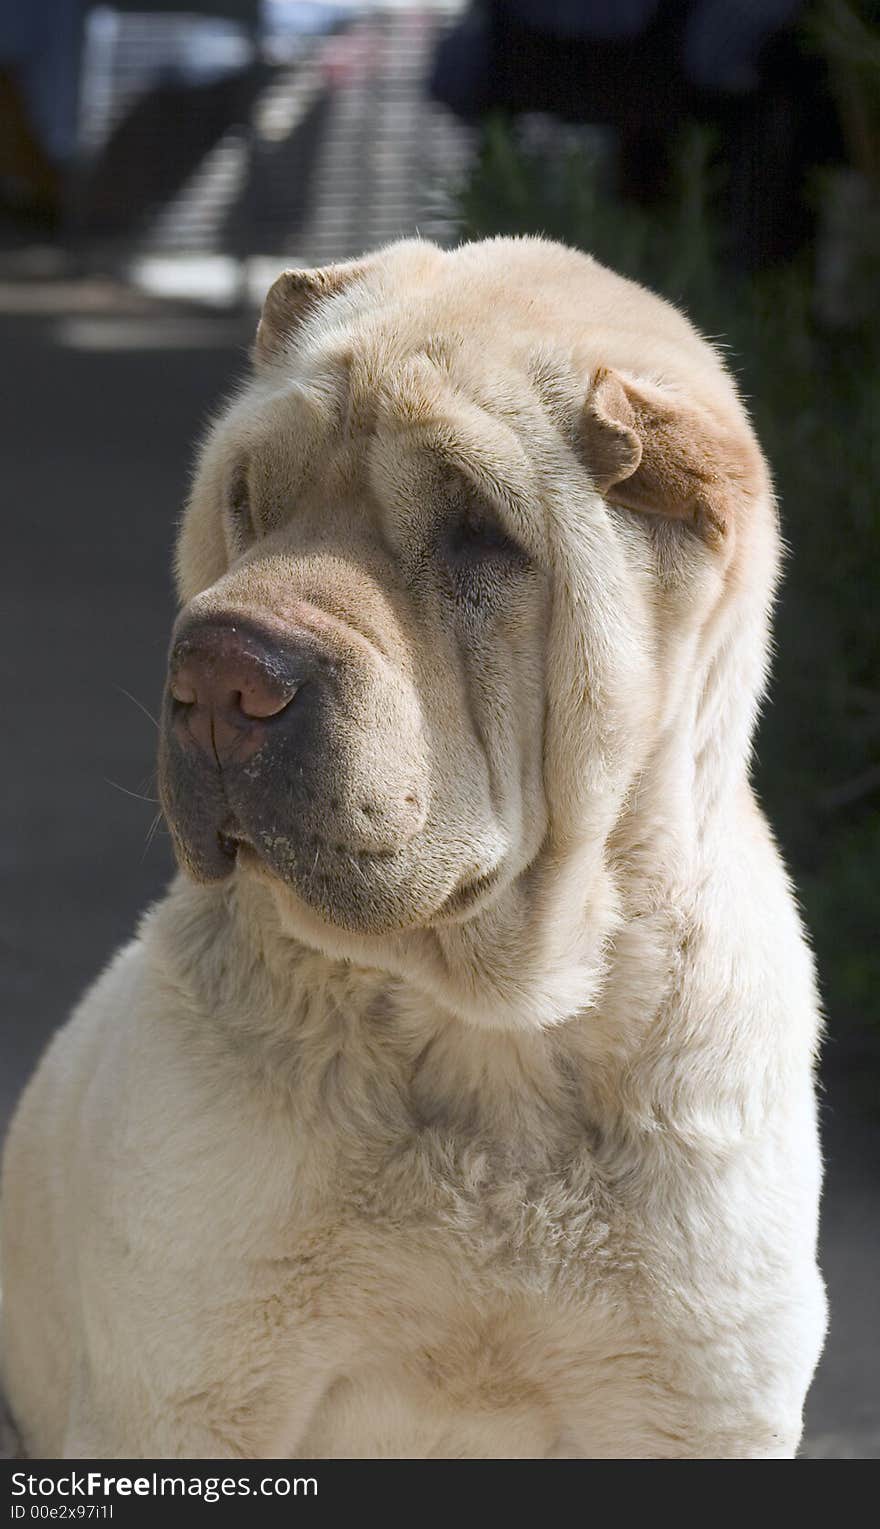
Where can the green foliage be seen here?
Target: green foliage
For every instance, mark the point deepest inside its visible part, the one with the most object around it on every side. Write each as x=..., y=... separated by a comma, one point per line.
x=815, y=398
x=847, y=35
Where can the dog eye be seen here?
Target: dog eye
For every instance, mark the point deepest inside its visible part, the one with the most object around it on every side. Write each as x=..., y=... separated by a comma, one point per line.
x=476, y=536
x=238, y=508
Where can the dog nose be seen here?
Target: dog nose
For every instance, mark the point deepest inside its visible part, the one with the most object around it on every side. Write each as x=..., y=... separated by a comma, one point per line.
x=228, y=682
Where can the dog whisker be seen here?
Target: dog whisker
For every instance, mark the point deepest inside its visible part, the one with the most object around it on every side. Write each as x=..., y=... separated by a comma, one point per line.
x=139, y=704
x=153, y=800
x=151, y=834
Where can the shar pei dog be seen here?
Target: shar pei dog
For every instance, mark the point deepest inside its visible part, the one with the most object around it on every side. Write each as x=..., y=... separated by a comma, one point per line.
x=457, y=1099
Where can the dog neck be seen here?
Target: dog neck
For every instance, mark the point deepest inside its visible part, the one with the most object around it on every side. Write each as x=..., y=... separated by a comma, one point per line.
x=587, y=934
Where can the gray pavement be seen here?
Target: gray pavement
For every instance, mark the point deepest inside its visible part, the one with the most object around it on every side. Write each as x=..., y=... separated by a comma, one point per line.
x=96, y=437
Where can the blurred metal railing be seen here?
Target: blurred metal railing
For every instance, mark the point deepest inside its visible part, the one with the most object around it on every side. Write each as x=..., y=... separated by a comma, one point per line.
x=291, y=128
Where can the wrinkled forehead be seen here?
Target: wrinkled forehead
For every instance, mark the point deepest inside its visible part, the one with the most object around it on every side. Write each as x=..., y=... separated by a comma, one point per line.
x=392, y=420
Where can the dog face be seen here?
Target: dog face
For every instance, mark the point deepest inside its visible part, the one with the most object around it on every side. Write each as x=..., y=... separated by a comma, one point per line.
x=445, y=572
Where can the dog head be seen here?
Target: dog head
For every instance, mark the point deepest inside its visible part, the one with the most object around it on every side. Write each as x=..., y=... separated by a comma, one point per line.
x=481, y=531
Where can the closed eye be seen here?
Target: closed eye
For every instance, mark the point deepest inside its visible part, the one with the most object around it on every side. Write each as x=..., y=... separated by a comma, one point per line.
x=238, y=509
x=477, y=535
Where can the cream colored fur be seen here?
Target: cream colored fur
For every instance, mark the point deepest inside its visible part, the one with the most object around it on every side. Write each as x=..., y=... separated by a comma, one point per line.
x=537, y=1178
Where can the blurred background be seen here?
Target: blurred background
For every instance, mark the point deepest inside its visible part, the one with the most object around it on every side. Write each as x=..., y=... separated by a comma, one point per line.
x=159, y=163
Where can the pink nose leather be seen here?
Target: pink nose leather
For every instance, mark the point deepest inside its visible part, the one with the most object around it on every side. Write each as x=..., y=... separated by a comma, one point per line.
x=226, y=692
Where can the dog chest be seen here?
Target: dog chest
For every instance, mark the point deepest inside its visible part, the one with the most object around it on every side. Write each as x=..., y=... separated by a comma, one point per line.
x=473, y=1324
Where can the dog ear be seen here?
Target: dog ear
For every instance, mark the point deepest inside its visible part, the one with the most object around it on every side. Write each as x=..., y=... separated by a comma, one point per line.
x=650, y=452
x=292, y=297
